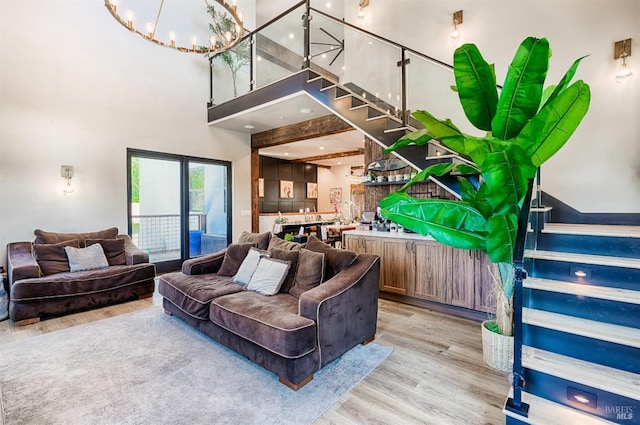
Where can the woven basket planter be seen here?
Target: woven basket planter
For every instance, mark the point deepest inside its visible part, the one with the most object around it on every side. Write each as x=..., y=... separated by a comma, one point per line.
x=497, y=350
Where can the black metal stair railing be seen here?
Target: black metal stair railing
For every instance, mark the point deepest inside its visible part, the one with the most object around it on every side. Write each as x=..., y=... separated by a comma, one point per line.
x=515, y=404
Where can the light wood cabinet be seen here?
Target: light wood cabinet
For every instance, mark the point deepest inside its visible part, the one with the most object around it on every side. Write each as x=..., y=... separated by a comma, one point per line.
x=361, y=244
x=397, y=266
x=433, y=270
x=429, y=270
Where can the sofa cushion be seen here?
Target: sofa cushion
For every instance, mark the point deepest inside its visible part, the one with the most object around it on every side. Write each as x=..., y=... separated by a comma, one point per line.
x=249, y=265
x=62, y=285
x=292, y=257
x=280, y=243
x=336, y=259
x=233, y=258
x=268, y=276
x=52, y=258
x=54, y=237
x=311, y=266
x=193, y=293
x=270, y=322
x=261, y=240
x=82, y=259
x=113, y=250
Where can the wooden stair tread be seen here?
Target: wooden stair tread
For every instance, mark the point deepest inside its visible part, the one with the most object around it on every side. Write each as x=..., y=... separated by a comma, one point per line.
x=591, y=291
x=632, y=263
x=547, y=412
x=588, y=328
x=594, y=375
x=592, y=230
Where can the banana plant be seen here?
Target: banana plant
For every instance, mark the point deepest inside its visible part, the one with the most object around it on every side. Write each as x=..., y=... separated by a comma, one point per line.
x=525, y=125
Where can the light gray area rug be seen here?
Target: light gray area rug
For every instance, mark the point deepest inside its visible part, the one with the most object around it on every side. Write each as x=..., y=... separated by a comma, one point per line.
x=150, y=368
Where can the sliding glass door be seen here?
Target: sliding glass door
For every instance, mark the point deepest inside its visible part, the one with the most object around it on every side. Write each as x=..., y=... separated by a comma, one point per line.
x=178, y=206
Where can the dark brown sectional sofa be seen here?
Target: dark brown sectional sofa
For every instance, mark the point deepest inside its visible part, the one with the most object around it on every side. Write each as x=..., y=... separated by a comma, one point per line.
x=42, y=285
x=293, y=333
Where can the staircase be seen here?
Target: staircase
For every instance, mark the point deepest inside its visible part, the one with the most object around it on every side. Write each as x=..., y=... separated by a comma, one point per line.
x=581, y=325
x=366, y=114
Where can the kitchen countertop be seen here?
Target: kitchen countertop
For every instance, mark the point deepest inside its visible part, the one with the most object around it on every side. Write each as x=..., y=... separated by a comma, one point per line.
x=391, y=235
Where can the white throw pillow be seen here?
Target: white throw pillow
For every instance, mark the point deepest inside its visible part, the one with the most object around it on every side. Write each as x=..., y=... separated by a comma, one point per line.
x=89, y=258
x=269, y=275
x=248, y=266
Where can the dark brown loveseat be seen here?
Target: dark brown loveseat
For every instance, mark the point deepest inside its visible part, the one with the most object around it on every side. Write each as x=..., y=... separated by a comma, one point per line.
x=42, y=285
x=293, y=333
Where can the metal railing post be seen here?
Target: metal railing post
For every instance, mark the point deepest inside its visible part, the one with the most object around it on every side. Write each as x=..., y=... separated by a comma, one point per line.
x=210, y=103
x=306, y=25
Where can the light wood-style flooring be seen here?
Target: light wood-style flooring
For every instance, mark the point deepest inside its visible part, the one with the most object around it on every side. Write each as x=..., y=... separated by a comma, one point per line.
x=435, y=374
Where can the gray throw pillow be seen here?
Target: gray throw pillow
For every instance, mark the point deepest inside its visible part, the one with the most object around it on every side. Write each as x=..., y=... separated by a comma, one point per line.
x=249, y=265
x=90, y=258
x=268, y=276
x=309, y=273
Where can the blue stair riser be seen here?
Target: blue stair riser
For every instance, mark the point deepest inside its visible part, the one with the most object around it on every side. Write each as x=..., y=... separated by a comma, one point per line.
x=599, y=310
x=612, y=407
x=595, y=245
x=612, y=277
x=513, y=421
x=591, y=350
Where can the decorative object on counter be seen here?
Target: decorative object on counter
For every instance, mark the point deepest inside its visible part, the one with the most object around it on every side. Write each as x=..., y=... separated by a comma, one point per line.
x=286, y=189
x=527, y=124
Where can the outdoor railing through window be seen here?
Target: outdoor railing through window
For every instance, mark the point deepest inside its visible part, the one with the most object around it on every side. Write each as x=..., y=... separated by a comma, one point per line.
x=160, y=234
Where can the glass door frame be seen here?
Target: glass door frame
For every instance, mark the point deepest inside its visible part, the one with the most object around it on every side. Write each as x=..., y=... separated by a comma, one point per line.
x=183, y=160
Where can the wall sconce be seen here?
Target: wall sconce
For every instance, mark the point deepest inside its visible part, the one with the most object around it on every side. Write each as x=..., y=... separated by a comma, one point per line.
x=362, y=4
x=66, y=172
x=622, y=50
x=455, y=36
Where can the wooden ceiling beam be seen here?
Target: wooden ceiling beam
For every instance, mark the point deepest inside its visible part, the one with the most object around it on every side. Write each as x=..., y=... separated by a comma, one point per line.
x=317, y=127
x=330, y=156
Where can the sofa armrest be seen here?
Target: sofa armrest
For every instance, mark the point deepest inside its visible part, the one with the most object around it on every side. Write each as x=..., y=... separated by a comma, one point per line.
x=21, y=263
x=345, y=307
x=133, y=254
x=206, y=264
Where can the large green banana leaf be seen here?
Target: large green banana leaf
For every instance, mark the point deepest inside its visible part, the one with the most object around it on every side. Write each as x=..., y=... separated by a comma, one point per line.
x=501, y=237
x=506, y=174
x=522, y=90
x=453, y=223
x=419, y=138
x=476, y=85
x=564, y=82
x=440, y=129
x=550, y=129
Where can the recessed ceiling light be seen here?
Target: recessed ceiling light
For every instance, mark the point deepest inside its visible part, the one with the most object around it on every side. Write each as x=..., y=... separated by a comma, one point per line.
x=328, y=5
x=339, y=163
x=306, y=110
x=249, y=126
x=321, y=148
x=286, y=154
x=291, y=36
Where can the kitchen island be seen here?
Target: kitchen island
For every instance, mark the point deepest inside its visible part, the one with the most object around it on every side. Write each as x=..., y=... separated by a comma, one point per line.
x=418, y=270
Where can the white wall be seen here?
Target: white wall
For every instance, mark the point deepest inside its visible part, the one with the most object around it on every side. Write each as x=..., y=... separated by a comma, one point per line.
x=599, y=168
x=330, y=178
x=77, y=89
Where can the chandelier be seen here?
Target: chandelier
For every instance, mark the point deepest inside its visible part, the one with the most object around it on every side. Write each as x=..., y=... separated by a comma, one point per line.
x=221, y=28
